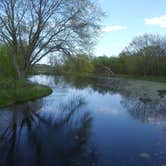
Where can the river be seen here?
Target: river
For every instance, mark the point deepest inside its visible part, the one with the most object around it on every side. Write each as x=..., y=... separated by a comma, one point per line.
x=83, y=123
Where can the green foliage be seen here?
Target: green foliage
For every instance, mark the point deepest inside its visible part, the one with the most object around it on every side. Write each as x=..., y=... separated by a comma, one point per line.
x=7, y=68
x=12, y=92
x=100, y=62
x=6, y=65
x=80, y=63
x=130, y=64
x=145, y=56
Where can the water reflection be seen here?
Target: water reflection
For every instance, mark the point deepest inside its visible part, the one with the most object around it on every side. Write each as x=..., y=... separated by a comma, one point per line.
x=84, y=122
x=140, y=108
x=146, y=111
x=29, y=137
x=97, y=84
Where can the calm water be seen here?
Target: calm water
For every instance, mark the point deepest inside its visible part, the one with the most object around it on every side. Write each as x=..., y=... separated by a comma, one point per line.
x=83, y=123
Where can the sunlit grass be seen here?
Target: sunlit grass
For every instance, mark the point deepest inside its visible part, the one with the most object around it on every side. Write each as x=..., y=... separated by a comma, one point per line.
x=12, y=92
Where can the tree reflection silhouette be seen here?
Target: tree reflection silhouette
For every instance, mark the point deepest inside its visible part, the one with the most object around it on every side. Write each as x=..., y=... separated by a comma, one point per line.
x=140, y=108
x=145, y=110
x=60, y=137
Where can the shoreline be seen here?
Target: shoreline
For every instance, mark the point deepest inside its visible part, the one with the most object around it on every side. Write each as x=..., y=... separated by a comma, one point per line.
x=20, y=94
x=147, y=89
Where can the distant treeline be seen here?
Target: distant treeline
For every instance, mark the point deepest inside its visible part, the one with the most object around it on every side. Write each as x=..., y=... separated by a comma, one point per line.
x=145, y=55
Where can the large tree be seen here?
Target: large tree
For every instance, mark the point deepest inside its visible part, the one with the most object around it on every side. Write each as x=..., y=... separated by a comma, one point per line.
x=35, y=28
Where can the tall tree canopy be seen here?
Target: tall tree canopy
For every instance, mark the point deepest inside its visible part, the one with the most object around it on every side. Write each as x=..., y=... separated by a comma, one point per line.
x=34, y=28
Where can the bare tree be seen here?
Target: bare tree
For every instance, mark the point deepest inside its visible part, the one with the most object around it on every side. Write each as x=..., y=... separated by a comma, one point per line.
x=146, y=42
x=34, y=28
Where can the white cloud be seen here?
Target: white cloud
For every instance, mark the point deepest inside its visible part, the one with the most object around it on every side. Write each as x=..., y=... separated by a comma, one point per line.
x=160, y=21
x=113, y=28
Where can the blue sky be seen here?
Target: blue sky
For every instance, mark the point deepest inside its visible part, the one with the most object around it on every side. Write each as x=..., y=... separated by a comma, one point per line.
x=126, y=19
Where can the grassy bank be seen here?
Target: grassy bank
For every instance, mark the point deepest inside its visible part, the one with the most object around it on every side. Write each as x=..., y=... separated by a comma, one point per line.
x=13, y=92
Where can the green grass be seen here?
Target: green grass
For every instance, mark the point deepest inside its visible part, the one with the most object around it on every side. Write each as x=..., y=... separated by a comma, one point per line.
x=13, y=92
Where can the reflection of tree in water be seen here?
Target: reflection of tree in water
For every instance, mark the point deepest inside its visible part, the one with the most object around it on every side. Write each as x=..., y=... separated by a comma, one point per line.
x=140, y=108
x=97, y=84
x=145, y=110
x=35, y=138
x=100, y=84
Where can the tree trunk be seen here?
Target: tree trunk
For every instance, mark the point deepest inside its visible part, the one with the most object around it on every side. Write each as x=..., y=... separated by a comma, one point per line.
x=16, y=67
x=21, y=73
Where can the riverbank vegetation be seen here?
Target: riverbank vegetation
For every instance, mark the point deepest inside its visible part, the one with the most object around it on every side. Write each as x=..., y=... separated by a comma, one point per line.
x=12, y=89
x=14, y=92
x=143, y=58
x=31, y=30
x=68, y=41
